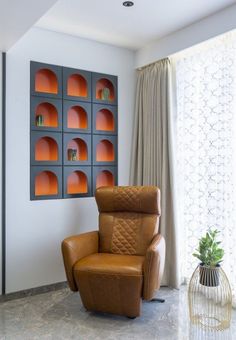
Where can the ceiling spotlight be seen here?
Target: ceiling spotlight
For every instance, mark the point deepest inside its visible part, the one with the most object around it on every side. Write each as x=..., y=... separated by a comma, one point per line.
x=128, y=3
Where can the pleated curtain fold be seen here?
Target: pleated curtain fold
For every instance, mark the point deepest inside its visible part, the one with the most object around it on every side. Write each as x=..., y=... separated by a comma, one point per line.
x=152, y=156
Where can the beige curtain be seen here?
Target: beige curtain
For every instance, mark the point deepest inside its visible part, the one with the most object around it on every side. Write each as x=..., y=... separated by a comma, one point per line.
x=152, y=156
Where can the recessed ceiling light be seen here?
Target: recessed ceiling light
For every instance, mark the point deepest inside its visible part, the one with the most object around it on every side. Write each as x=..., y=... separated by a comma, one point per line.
x=128, y=3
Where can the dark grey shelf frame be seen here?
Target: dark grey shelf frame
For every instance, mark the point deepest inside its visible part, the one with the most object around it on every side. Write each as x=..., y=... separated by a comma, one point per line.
x=97, y=169
x=87, y=107
x=56, y=136
x=98, y=107
x=86, y=138
x=35, y=170
x=36, y=101
x=67, y=72
x=57, y=70
x=96, y=140
x=113, y=79
x=88, y=173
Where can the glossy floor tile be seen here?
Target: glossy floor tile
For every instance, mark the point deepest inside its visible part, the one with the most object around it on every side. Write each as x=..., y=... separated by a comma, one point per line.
x=60, y=315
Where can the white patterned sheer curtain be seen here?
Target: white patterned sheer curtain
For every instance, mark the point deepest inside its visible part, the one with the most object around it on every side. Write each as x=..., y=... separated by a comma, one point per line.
x=206, y=148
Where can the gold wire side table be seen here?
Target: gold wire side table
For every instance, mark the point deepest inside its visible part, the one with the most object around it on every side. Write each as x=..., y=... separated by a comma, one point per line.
x=210, y=298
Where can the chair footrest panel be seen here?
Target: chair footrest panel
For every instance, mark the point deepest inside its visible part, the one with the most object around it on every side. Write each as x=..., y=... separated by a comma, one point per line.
x=110, y=293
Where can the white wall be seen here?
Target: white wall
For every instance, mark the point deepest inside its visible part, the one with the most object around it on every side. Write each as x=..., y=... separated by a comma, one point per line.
x=205, y=29
x=35, y=229
x=0, y=171
x=12, y=25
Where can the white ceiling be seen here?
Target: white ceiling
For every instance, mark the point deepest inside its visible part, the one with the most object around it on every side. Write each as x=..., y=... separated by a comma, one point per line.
x=17, y=16
x=109, y=22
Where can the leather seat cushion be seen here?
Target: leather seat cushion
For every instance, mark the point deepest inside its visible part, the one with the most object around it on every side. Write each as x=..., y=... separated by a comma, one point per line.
x=111, y=264
x=110, y=283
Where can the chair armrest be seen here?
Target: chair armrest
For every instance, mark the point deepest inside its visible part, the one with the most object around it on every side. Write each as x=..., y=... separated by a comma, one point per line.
x=75, y=248
x=154, y=266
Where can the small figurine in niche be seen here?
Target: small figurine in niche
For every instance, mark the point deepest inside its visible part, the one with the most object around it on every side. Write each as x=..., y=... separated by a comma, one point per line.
x=39, y=120
x=105, y=93
x=72, y=155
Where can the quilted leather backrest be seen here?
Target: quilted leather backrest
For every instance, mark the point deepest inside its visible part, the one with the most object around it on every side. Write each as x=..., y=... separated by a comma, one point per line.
x=128, y=219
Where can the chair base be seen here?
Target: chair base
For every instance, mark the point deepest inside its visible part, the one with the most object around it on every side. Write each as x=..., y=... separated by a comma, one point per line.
x=157, y=300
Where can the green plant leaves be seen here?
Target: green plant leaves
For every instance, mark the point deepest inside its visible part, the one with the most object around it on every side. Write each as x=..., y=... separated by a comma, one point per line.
x=209, y=251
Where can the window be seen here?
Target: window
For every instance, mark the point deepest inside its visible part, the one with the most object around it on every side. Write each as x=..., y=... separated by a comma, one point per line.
x=206, y=148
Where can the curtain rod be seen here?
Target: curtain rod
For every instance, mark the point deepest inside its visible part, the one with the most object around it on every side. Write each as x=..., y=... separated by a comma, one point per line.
x=154, y=62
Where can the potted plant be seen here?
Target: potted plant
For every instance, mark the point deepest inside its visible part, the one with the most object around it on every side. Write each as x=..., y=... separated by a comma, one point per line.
x=210, y=254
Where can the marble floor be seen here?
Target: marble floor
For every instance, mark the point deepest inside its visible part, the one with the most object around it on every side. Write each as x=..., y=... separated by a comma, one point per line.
x=60, y=315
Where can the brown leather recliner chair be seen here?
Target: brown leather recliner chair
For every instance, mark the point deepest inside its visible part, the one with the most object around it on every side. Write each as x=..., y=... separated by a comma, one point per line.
x=115, y=267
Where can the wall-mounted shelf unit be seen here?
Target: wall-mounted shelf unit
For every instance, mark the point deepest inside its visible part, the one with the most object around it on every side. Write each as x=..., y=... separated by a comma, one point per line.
x=77, y=181
x=77, y=116
x=81, y=145
x=46, y=148
x=104, y=89
x=46, y=182
x=104, y=176
x=76, y=84
x=104, y=119
x=46, y=114
x=104, y=150
x=46, y=80
x=74, y=124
